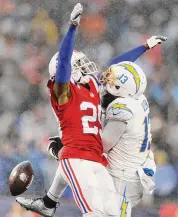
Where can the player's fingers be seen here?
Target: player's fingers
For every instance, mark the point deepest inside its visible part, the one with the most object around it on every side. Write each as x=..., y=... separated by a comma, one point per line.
x=51, y=145
x=51, y=142
x=54, y=138
x=162, y=38
x=51, y=153
x=78, y=8
x=48, y=148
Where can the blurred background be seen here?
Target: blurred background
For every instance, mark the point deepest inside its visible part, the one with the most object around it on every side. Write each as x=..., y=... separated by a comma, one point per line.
x=30, y=31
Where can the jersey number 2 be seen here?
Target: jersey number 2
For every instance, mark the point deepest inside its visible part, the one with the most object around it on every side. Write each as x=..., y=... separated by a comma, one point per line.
x=90, y=118
x=146, y=142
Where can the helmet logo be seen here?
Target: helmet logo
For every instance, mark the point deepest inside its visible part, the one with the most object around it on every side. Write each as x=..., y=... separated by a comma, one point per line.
x=133, y=71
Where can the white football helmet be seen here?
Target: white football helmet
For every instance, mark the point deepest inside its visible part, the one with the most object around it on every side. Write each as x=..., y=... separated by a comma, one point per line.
x=81, y=66
x=124, y=79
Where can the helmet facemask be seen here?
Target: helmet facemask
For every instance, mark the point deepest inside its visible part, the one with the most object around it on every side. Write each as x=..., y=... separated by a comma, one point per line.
x=107, y=77
x=84, y=65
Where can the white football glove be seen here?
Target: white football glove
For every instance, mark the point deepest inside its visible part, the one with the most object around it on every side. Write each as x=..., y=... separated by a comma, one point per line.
x=76, y=15
x=154, y=40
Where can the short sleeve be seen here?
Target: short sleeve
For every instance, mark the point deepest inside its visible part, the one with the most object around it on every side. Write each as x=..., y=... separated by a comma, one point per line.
x=54, y=102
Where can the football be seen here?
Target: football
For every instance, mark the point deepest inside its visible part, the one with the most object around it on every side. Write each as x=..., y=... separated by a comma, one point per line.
x=21, y=178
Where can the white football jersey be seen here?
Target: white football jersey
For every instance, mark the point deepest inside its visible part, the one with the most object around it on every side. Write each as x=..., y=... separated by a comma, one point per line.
x=133, y=148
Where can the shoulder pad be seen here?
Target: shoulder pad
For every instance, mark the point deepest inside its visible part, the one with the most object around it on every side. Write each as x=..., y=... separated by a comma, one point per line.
x=119, y=110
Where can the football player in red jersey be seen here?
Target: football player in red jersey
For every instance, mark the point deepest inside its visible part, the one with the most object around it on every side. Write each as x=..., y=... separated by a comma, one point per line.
x=77, y=108
x=82, y=70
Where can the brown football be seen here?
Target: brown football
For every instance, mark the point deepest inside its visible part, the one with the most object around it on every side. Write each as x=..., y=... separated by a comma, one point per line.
x=21, y=178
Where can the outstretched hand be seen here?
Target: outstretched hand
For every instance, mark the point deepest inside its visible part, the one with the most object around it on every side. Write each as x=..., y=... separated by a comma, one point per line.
x=76, y=14
x=155, y=40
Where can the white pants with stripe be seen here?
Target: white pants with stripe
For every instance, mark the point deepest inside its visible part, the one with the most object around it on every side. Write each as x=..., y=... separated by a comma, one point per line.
x=91, y=184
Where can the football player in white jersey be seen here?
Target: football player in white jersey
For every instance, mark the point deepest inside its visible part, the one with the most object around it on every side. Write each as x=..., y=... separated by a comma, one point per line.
x=131, y=86
x=126, y=133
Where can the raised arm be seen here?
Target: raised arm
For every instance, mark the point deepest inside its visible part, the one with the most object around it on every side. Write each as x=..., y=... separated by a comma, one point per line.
x=135, y=53
x=63, y=74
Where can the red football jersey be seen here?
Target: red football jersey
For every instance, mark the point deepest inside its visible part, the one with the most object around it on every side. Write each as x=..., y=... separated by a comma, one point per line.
x=79, y=122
